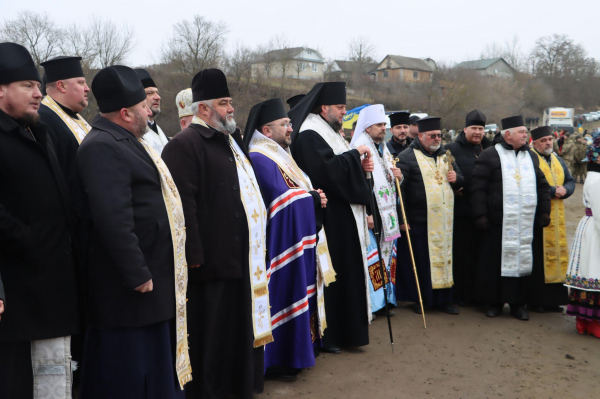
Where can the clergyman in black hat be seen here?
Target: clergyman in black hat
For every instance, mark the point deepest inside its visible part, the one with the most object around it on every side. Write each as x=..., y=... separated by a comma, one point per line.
x=226, y=221
x=338, y=170
x=294, y=224
x=413, y=131
x=509, y=197
x=66, y=96
x=37, y=260
x=427, y=189
x=465, y=149
x=136, y=274
x=154, y=136
x=551, y=257
x=399, y=127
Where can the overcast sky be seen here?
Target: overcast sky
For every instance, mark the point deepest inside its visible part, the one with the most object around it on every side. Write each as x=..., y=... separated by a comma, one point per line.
x=445, y=30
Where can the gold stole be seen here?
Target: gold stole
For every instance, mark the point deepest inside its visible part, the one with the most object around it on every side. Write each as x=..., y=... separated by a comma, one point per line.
x=440, y=218
x=79, y=127
x=177, y=224
x=556, y=251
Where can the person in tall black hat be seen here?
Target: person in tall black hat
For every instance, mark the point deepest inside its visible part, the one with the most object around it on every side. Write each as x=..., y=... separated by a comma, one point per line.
x=337, y=169
x=294, y=100
x=294, y=224
x=550, y=246
x=226, y=221
x=427, y=189
x=465, y=149
x=399, y=127
x=136, y=273
x=37, y=260
x=155, y=137
x=509, y=197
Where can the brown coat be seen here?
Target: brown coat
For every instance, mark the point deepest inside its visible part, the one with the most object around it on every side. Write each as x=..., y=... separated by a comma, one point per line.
x=203, y=167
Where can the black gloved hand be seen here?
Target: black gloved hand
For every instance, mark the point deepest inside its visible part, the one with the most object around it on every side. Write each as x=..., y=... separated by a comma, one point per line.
x=482, y=223
x=544, y=220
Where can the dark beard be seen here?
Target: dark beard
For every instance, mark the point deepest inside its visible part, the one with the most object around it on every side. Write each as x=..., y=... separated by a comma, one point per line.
x=335, y=124
x=30, y=119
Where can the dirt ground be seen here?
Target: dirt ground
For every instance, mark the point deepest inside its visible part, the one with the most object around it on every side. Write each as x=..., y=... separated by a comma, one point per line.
x=464, y=356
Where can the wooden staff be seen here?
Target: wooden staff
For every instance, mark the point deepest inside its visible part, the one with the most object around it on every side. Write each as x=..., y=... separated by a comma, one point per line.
x=412, y=255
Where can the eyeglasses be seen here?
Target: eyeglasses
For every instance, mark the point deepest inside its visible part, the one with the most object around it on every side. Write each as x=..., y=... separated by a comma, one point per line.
x=434, y=136
x=285, y=125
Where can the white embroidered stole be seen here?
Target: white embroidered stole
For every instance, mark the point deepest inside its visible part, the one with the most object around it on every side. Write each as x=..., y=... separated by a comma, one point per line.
x=325, y=272
x=339, y=145
x=256, y=215
x=79, y=127
x=174, y=207
x=440, y=217
x=519, y=200
x=52, y=368
x=384, y=190
x=157, y=141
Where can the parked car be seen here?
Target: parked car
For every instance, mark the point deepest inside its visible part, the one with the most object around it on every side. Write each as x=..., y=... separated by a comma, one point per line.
x=492, y=126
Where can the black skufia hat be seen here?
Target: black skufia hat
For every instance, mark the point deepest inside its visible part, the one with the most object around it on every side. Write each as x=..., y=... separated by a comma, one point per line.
x=540, y=132
x=16, y=64
x=117, y=87
x=324, y=93
x=61, y=68
x=261, y=114
x=511, y=122
x=399, y=118
x=209, y=84
x=294, y=100
x=429, y=123
x=145, y=78
x=475, y=118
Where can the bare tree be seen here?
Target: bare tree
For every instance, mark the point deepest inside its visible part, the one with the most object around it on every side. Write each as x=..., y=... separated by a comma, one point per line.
x=510, y=51
x=239, y=63
x=361, y=51
x=111, y=43
x=36, y=32
x=559, y=56
x=283, y=54
x=195, y=45
x=78, y=41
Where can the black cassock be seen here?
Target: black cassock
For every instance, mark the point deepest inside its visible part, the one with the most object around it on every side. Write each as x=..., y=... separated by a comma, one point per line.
x=342, y=179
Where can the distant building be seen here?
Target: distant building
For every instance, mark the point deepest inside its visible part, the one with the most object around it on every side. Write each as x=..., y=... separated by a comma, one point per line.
x=395, y=68
x=490, y=67
x=295, y=62
x=341, y=70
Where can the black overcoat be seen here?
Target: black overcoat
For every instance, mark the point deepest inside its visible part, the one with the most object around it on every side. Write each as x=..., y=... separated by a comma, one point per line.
x=128, y=225
x=486, y=184
x=465, y=154
x=203, y=167
x=36, y=221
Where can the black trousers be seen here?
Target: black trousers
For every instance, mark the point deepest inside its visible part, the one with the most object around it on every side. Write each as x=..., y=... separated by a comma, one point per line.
x=16, y=371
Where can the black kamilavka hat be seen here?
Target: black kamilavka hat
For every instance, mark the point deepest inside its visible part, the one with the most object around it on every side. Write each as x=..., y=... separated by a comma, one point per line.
x=209, y=84
x=399, y=118
x=294, y=100
x=540, y=132
x=429, y=123
x=512, y=122
x=61, y=68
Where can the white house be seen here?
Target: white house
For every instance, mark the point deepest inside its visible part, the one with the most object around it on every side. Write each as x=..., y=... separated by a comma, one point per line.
x=295, y=62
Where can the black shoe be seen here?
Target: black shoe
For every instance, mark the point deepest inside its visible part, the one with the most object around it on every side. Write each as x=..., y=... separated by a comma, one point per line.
x=449, y=308
x=519, y=313
x=374, y=316
x=381, y=312
x=493, y=311
x=283, y=374
x=331, y=349
x=417, y=308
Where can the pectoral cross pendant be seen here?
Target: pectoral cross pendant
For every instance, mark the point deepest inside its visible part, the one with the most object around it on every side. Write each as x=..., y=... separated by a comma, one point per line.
x=518, y=177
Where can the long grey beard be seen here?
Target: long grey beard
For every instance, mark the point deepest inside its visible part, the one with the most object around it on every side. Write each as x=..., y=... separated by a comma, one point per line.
x=225, y=126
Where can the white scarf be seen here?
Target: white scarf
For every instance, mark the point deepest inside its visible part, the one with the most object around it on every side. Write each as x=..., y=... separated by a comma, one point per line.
x=519, y=200
x=339, y=145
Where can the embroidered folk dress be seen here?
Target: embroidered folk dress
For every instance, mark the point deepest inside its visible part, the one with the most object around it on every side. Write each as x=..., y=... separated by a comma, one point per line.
x=583, y=275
